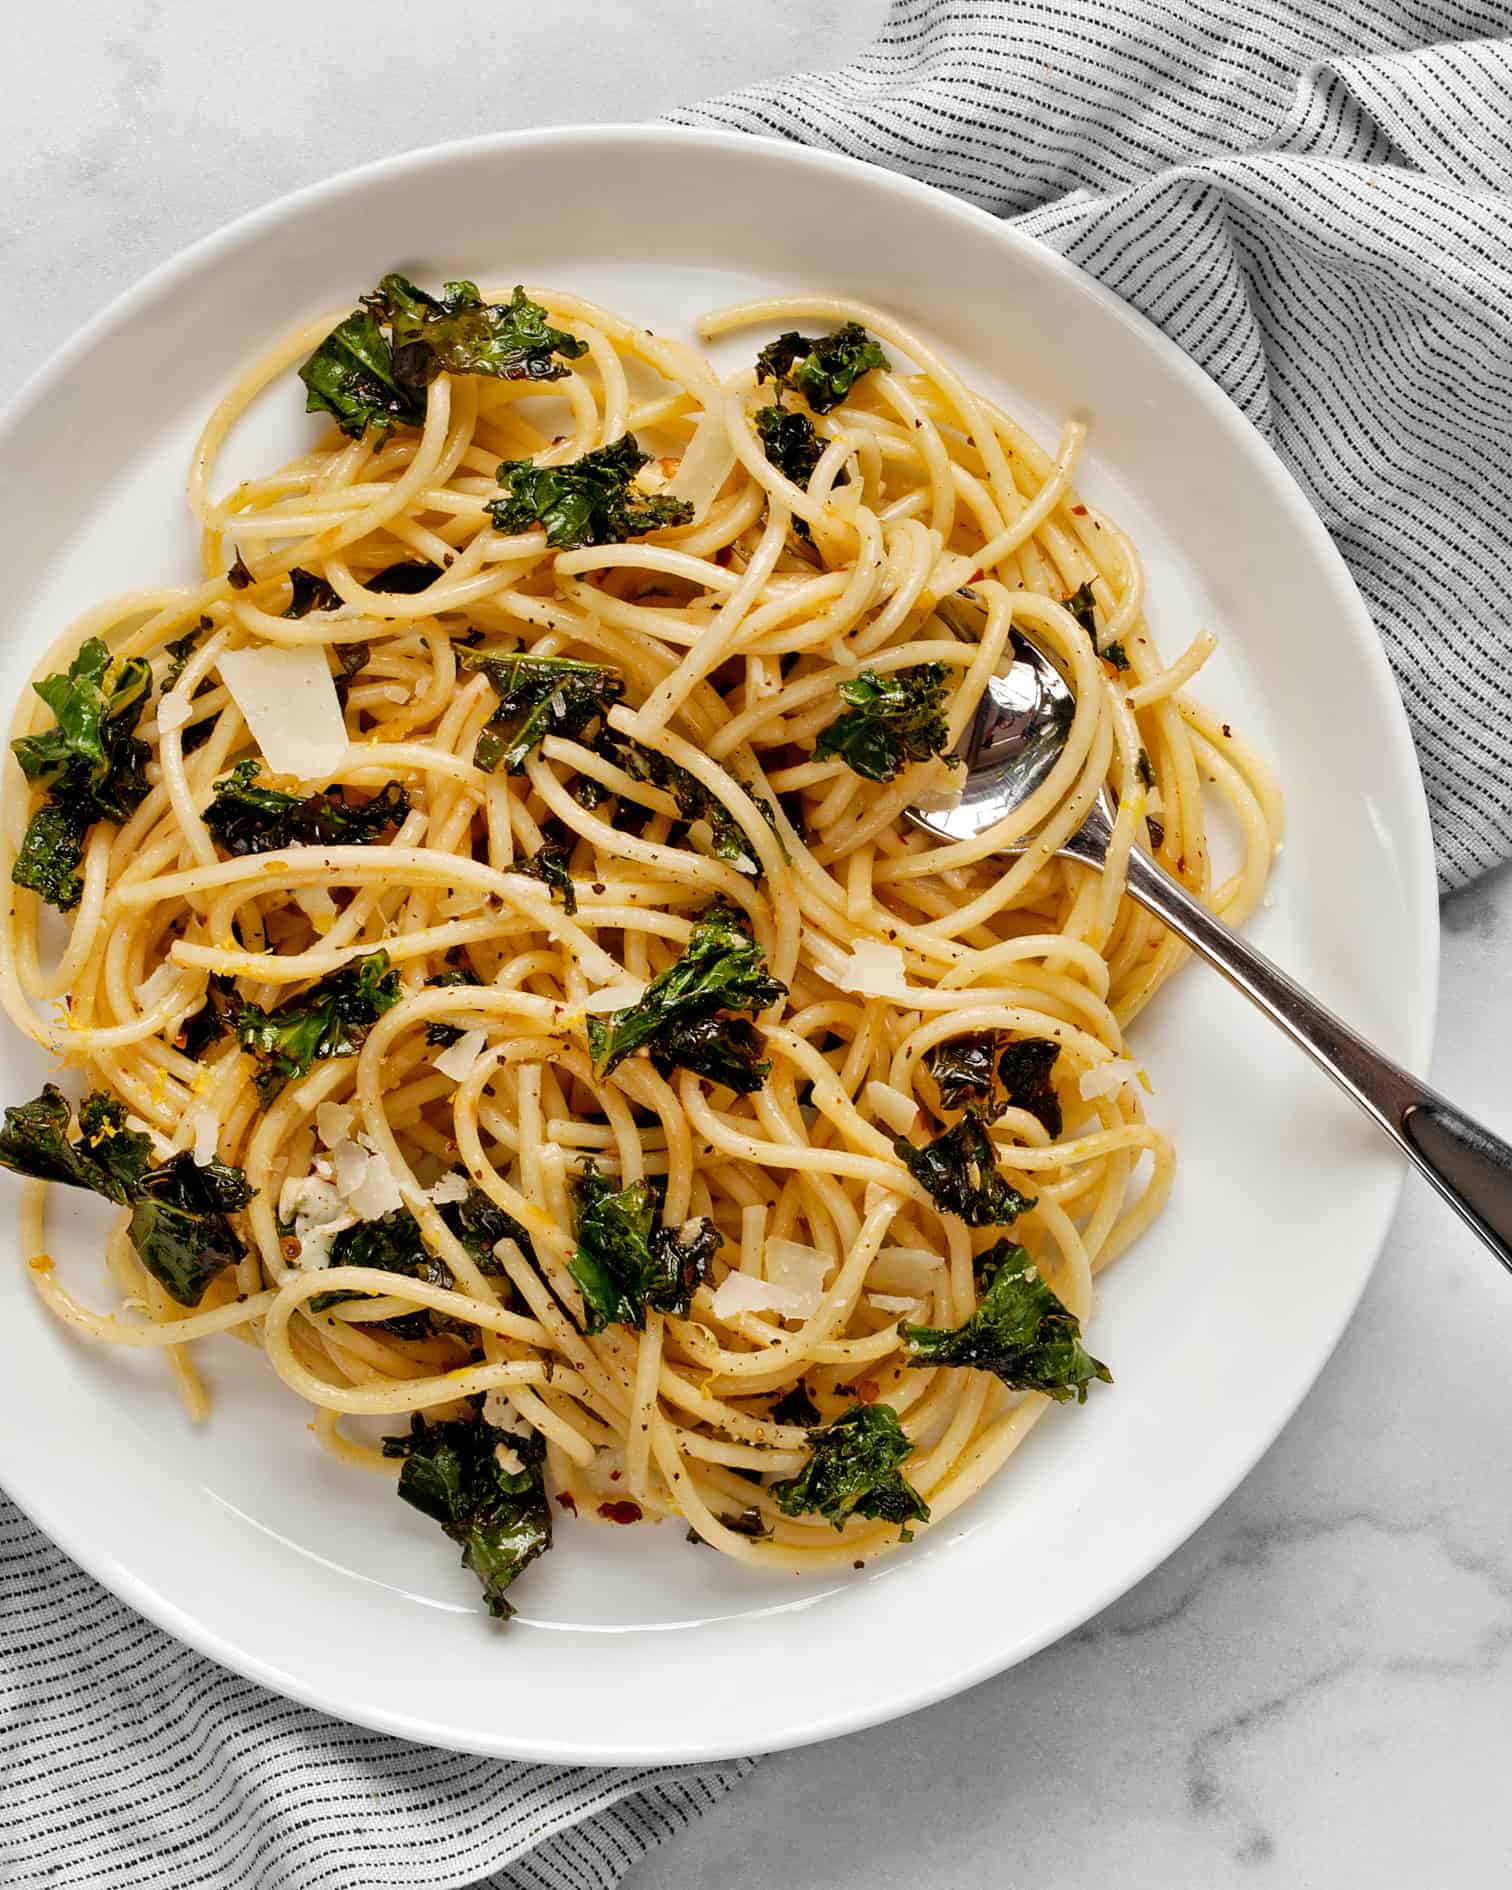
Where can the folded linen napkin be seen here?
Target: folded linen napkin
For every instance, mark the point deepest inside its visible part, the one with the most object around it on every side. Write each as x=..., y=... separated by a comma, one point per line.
x=1315, y=200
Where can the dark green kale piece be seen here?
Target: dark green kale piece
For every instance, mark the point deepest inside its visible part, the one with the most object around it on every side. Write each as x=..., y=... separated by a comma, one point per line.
x=447, y=1034
x=823, y=368
x=407, y=578
x=589, y=501
x=212, y=1020
x=499, y=1516
x=373, y=369
x=626, y=1260
x=91, y=765
x=331, y=1019
x=892, y=719
x=551, y=864
x=795, y=1406
x=853, y=1471
x=393, y=1244
x=539, y=696
x=178, y=1207
x=244, y=818
x=989, y=1071
x=1020, y=1331
x=1025, y=1070
x=310, y=592
x=722, y=968
x=957, y=1169
x=694, y=800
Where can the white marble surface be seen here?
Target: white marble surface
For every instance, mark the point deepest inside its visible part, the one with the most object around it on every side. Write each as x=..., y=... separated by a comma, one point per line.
x=1315, y=1690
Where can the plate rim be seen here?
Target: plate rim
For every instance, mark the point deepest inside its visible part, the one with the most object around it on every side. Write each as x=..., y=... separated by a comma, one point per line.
x=1419, y=880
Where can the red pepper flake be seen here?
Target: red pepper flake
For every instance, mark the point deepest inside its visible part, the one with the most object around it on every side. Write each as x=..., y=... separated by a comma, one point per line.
x=976, y=577
x=867, y=1390
x=568, y=1501
x=614, y=1476
x=620, y=1512
x=1079, y=511
x=289, y=1247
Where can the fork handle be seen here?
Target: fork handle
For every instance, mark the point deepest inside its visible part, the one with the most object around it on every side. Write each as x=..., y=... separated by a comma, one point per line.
x=1470, y=1167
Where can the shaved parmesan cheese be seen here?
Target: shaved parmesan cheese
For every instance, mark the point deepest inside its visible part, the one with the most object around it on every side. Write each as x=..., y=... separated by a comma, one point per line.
x=892, y=1302
x=174, y=710
x=364, y=1181
x=891, y=1106
x=905, y=1269
x=333, y=1122
x=449, y=1188
x=316, y=903
x=799, y=1271
x=614, y=997
x=1106, y=1079
x=707, y=463
x=458, y=1059
x=288, y=698
x=873, y=970
x=203, y=1123
x=499, y=1409
x=742, y=1293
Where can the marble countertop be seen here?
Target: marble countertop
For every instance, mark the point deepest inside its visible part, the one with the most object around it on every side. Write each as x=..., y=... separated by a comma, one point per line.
x=1314, y=1691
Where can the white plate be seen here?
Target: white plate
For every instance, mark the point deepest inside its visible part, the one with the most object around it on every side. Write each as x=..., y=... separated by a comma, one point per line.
x=242, y=1538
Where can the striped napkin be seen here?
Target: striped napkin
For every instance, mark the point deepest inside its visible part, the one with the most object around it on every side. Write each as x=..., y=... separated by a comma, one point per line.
x=1312, y=198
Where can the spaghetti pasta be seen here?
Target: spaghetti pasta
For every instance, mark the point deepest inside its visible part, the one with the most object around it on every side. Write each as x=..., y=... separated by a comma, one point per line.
x=746, y=689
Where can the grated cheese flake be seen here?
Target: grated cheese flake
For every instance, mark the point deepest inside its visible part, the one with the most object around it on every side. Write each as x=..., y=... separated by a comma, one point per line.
x=873, y=970
x=1107, y=1079
x=457, y=1060
x=891, y=1106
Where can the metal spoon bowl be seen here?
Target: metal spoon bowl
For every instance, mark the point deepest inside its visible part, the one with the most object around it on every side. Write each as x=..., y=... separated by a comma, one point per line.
x=1009, y=749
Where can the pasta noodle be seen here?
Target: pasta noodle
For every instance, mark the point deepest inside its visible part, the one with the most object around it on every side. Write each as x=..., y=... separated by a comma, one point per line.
x=730, y=633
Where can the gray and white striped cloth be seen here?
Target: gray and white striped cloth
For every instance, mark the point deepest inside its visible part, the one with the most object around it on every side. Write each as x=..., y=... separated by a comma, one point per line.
x=1312, y=197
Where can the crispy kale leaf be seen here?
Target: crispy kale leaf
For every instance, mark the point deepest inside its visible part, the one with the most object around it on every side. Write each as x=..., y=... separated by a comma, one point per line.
x=351, y=376
x=539, y=696
x=823, y=368
x=244, y=818
x=589, y=501
x=460, y=333
x=91, y=764
x=722, y=968
x=1020, y=1331
x=406, y=579
x=789, y=442
x=180, y=649
x=1083, y=607
x=990, y=1072
x=211, y=1021
x=958, y=1171
x=626, y=1260
x=1024, y=1070
x=892, y=719
x=964, y=1069
x=795, y=1406
x=500, y=1517
x=694, y=800
x=364, y=376
x=447, y=1034
x=310, y=592
x=551, y=863
x=393, y=1244
x=331, y=1019
x=179, y=1225
x=853, y=1471
x=178, y=1209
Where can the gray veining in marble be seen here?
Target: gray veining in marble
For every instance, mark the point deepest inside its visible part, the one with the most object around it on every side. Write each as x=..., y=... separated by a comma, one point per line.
x=1315, y=1691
